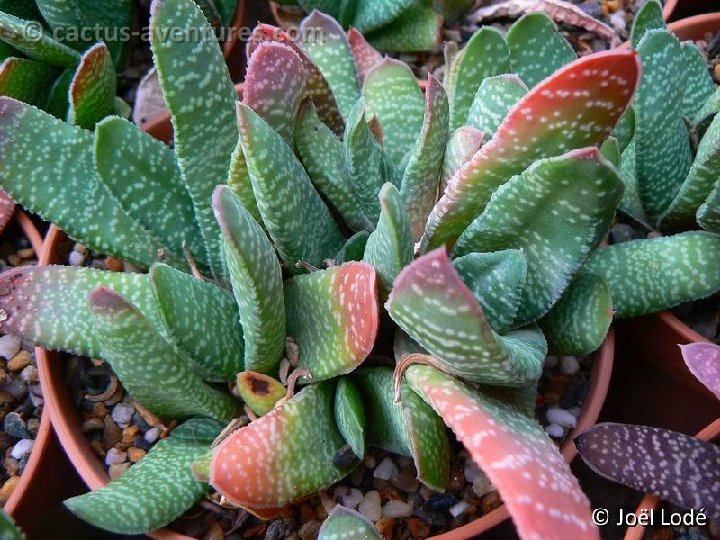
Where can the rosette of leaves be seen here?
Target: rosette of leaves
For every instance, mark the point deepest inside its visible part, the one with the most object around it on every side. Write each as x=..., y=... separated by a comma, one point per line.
x=295, y=214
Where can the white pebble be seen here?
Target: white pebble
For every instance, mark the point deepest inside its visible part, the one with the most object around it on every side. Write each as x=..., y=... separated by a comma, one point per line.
x=115, y=456
x=551, y=362
x=370, y=506
x=122, y=414
x=575, y=411
x=385, y=470
x=561, y=417
x=458, y=508
x=554, y=431
x=569, y=365
x=21, y=448
x=351, y=498
x=617, y=21
x=9, y=346
x=29, y=374
x=76, y=259
x=471, y=470
x=397, y=509
x=152, y=434
x=481, y=485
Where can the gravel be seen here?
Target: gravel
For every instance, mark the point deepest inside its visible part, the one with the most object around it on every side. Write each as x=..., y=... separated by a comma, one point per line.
x=561, y=417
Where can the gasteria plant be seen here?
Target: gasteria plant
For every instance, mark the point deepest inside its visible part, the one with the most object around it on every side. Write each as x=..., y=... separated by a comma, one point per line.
x=307, y=200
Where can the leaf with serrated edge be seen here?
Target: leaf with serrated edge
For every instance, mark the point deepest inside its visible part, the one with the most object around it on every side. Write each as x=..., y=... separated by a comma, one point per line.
x=419, y=186
x=364, y=54
x=700, y=85
x=659, y=273
x=92, y=90
x=631, y=203
x=333, y=316
x=555, y=242
x=703, y=361
x=34, y=42
x=631, y=455
x=410, y=428
x=326, y=43
x=463, y=143
x=344, y=523
x=354, y=248
x=142, y=174
x=486, y=54
x=284, y=456
x=537, y=49
x=648, y=17
x=493, y=100
x=416, y=29
x=69, y=184
x=579, y=322
x=261, y=392
x=198, y=430
x=350, y=415
x=152, y=493
x=256, y=280
x=113, y=17
x=497, y=281
x=708, y=214
x=201, y=98
x=430, y=302
x=591, y=92
x=390, y=246
x=274, y=86
x=163, y=381
x=26, y=80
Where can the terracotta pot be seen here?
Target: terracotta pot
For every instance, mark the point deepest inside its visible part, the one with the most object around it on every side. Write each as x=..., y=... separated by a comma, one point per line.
x=674, y=10
x=696, y=27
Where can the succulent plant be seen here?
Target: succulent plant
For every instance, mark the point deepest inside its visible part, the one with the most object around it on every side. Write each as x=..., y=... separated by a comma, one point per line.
x=273, y=231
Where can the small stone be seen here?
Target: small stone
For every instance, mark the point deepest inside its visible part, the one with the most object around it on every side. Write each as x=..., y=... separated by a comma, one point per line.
x=9, y=346
x=617, y=21
x=385, y=470
x=152, y=434
x=15, y=426
x=129, y=434
x=21, y=448
x=76, y=258
x=418, y=528
x=569, y=365
x=122, y=414
x=405, y=482
x=432, y=517
x=92, y=424
x=370, y=506
x=111, y=433
x=113, y=264
x=471, y=470
x=30, y=374
x=80, y=248
x=555, y=431
x=356, y=476
x=115, y=456
x=369, y=461
x=20, y=361
x=458, y=509
x=309, y=530
x=561, y=417
x=117, y=469
x=397, y=509
x=457, y=480
x=621, y=232
x=385, y=527
x=14, y=260
x=214, y=532
x=277, y=530
x=439, y=502
x=481, y=485
x=716, y=73
x=16, y=387
x=99, y=410
x=6, y=398
x=575, y=411
x=135, y=454
x=26, y=253
x=551, y=362
x=352, y=498
x=8, y=487
x=97, y=447
x=491, y=501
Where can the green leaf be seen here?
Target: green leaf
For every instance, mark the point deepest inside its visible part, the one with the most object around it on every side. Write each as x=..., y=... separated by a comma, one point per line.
x=659, y=273
x=537, y=49
x=624, y=130
x=350, y=415
x=283, y=456
x=326, y=43
x=64, y=18
x=497, y=281
x=25, y=9
x=708, y=214
x=662, y=143
x=578, y=323
x=35, y=43
x=591, y=92
x=256, y=280
x=485, y=55
x=421, y=177
x=354, y=248
x=390, y=246
x=364, y=54
x=92, y=90
x=201, y=97
x=462, y=144
x=343, y=522
x=373, y=15
x=151, y=494
x=142, y=174
x=708, y=111
x=610, y=150
x=431, y=303
x=198, y=430
x=631, y=203
x=239, y=181
x=10, y=531
x=26, y=80
x=8, y=51
x=69, y=184
x=259, y=391
x=149, y=368
x=331, y=7
x=452, y=9
x=648, y=17
x=409, y=428
x=113, y=16
x=333, y=316
x=562, y=208
x=295, y=216
x=493, y=100
x=416, y=29
x=58, y=101
x=700, y=85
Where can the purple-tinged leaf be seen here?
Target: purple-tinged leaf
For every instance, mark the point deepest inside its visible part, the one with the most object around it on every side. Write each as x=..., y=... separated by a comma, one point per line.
x=92, y=90
x=461, y=146
x=7, y=209
x=259, y=391
x=364, y=54
x=703, y=361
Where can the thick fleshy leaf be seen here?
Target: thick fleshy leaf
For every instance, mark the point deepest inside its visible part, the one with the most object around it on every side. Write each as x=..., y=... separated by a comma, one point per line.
x=659, y=273
x=256, y=280
x=350, y=415
x=486, y=54
x=27, y=9
x=35, y=43
x=495, y=97
x=700, y=85
x=142, y=174
x=69, y=184
x=326, y=43
x=7, y=209
x=591, y=92
x=345, y=523
x=648, y=17
x=421, y=177
x=274, y=86
x=703, y=361
x=259, y=391
x=322, y=156
x=624, y=130
x=390, y=246
x=452, y=9
x=578, y=323
x=92, y=90
x=708, y=215
x=295, y=216
x=201, y=97
x=662, y=143
x=497, y=281
x=57, y=102
x=10, y=531
x=410, y=428
x=708, y=111
x=112, y=16
x=542, y=495
x=198, y=430
x=284, y=456
x=26, y=80
x=416, y=29
x=201, y=319
x=354, y=248
x=461, y=146
x=372, y=15
x=430, y=302
x=239, y=181
x=164, y=381
x=537, y=49
x=333, y=316
x=152, y=493
x=631, y=203
x=392, y=94
x=556, y=243
x=364, y=54
x=610, y=150
x=674, y=466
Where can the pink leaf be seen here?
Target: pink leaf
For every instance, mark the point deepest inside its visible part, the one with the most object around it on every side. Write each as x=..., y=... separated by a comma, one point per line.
x=364, y=54
x=7, y=207
x=703, y=361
